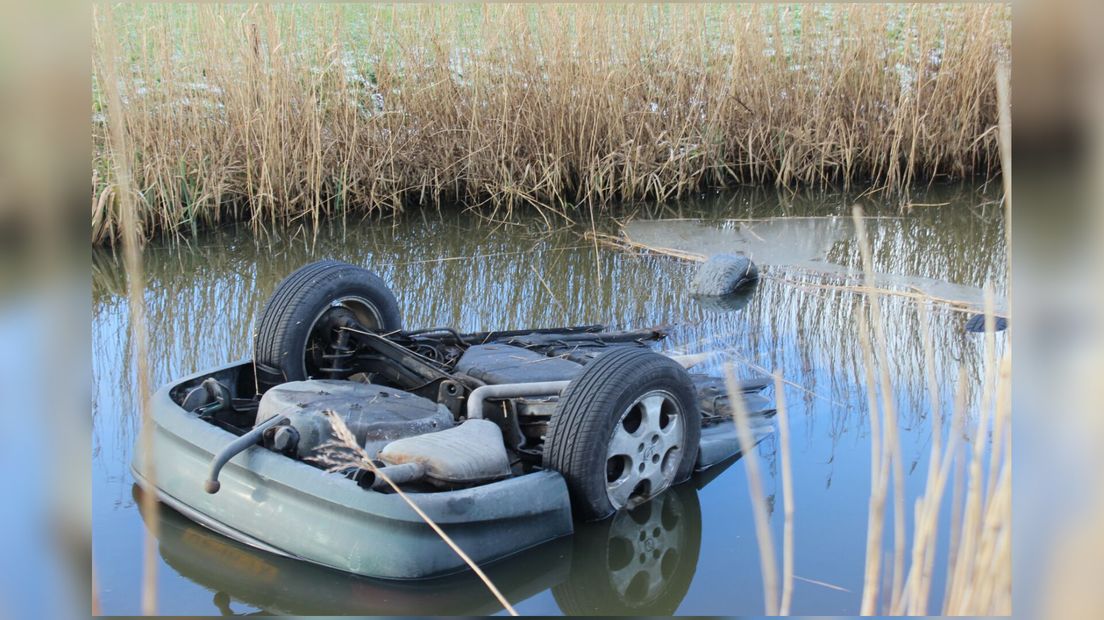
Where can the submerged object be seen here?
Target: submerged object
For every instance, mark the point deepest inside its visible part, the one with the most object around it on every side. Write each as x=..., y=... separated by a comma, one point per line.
x=732, y=302
x=976, y=323
x=724, y=274
x=793, y=244
x=503, y=438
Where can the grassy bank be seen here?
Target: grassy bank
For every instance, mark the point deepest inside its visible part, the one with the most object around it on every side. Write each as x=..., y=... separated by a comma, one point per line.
x=289, y=115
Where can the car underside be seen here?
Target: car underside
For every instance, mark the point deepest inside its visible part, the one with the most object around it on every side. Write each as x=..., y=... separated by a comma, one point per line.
x=587, y=420
x=408, y=384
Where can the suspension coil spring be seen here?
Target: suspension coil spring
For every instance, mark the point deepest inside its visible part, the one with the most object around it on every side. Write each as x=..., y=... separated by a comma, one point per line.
x=341, y=356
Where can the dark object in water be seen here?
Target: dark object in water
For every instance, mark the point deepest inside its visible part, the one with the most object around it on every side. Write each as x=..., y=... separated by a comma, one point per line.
x=732, y=302
x=724, y=274
x=976, y=323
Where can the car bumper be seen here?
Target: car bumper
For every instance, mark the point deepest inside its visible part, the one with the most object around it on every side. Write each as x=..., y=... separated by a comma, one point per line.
x=283, y=506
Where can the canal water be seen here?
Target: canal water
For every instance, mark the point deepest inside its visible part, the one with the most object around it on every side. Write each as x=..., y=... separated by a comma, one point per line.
x=454, y=269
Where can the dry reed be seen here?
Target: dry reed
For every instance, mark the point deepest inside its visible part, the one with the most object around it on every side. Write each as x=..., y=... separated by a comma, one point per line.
x=286, y=115
x=95, y=606
x=781, y=605
x=979, y=566
x=767, y=561
x=130, y=235
x=787, y=495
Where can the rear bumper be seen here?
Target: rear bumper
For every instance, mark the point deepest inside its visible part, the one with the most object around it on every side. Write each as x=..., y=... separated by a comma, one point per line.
x=286, y=507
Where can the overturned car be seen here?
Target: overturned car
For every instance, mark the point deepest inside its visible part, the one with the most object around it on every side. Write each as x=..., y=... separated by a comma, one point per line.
x=503, y=438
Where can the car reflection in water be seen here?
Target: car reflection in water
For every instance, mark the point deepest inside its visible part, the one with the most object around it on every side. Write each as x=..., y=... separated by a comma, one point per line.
x=639, y=562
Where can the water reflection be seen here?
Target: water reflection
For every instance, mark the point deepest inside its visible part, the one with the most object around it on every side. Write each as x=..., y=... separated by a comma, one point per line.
x=775, y=241
x=802, y=244
x=448, y=270
x=733, y=302
x=639, y=562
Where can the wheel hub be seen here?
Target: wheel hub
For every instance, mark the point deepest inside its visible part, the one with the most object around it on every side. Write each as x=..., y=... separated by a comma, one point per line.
x=645, y=449
x=326, y=352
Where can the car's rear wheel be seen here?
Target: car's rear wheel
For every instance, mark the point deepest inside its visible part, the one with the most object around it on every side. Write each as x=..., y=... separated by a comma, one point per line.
x=626, y=429
x=298, y=331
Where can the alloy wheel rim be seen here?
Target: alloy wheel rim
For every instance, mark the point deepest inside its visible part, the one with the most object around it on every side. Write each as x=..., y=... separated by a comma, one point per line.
x=644, y=450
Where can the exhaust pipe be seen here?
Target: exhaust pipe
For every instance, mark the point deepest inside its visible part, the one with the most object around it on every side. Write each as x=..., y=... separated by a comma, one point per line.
x=399, y=474
x=510, y=390
x=212, y=485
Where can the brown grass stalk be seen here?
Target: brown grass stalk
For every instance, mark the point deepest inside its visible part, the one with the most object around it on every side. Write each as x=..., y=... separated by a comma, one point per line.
x=767, y=562
x=918, y=586
x=286, y=115
x=878, y=482
x=889, y=463
x=130, y=236
x=787, y=495
x=95, y=605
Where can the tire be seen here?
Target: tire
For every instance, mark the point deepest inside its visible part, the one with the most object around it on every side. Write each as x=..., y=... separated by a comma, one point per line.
x=613, y=427
x=639, y=563
x=292, y=318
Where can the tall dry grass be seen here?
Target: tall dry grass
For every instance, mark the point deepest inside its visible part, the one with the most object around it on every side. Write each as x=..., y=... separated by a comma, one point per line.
x=979, y=564
x=286, y=115
x=979, y=551
x=975, y=462
x=130, y=230
x=767, y=562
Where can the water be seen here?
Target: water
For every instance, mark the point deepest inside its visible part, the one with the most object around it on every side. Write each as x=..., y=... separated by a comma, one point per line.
x=450, y=269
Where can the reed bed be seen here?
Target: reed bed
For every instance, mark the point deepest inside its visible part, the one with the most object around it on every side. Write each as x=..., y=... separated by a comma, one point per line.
x=979, y=561
x=287, y=115
x=979, y=551
x=972, y=454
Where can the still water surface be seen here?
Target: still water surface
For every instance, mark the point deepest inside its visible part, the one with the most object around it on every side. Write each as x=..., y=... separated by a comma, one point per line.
x=451, y=269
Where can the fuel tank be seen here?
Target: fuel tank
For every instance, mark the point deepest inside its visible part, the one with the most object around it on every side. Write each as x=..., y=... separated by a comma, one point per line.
x=375, y=414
